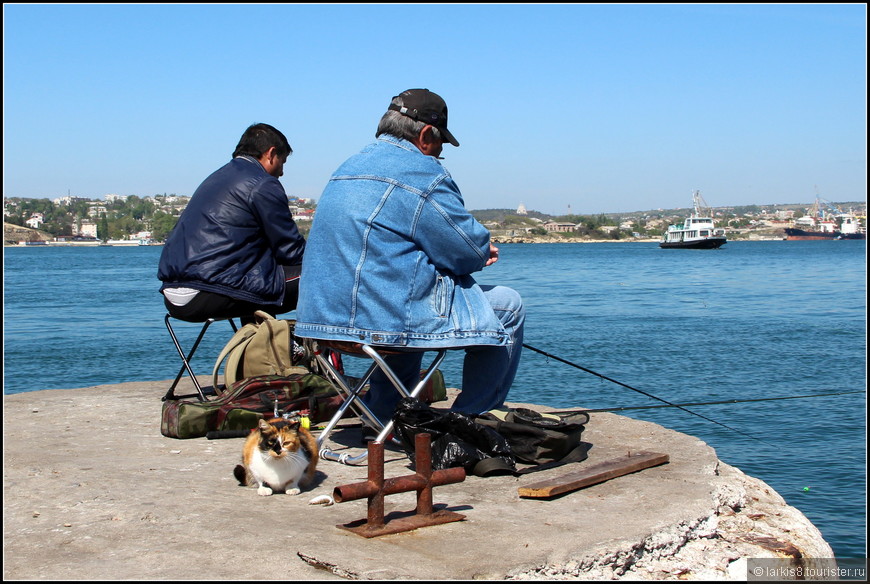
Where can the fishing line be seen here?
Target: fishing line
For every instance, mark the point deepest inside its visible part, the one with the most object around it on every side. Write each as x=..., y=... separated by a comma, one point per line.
x=646, y=394
x=727, y=401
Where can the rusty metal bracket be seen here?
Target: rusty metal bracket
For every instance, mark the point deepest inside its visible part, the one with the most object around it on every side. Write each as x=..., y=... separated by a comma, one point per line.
x=376, y=488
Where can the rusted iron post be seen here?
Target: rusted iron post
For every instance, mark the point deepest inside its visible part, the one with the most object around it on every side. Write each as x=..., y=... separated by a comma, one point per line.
x=375, y=517
x=423, y=463
x=376, y=488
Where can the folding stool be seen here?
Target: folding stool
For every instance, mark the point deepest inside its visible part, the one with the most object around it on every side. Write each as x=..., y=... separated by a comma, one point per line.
x=185, y=359
x=351, y=389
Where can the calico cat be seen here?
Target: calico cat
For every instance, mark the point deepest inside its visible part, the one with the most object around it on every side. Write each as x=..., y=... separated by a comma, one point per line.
x=277, y=456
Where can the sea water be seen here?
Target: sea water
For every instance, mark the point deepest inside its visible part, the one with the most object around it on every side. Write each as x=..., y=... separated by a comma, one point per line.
x=649, y=327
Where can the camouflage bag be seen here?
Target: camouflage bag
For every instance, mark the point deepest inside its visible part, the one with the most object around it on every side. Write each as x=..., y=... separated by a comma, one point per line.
x=271, y=396
x=245, y=402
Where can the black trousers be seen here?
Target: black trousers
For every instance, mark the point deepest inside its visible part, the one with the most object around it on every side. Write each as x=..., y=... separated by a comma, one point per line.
x=207, y=305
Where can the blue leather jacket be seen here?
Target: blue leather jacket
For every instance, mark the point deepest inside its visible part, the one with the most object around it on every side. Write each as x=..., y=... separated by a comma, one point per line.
x=389, y=256
x=233, y=237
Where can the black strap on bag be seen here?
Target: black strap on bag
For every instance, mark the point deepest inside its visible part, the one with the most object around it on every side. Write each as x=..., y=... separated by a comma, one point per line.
x=578, y=454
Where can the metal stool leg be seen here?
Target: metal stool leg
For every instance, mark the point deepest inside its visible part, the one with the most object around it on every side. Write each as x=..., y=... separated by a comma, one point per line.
x=185, y=359
x=379, y=360
x=353, y=399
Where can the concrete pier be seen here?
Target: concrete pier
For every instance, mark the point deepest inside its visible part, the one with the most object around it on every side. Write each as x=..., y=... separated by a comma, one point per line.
x=93, y=491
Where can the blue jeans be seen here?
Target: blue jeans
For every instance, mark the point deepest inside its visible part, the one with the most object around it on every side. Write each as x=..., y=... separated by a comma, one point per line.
x=487, y=371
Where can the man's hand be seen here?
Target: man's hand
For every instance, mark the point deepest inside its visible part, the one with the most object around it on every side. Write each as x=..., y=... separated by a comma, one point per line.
x=493, y=255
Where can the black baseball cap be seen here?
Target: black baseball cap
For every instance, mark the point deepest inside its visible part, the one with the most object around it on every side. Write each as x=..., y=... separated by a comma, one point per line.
x=427, y=107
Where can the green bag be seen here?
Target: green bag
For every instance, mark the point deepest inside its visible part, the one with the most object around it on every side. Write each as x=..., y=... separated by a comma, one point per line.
x=544, y=439
x=435, y=390
x=263, y=347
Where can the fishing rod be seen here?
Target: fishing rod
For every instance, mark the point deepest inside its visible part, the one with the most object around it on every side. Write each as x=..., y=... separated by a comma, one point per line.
x=551, y=356
x=727, y=401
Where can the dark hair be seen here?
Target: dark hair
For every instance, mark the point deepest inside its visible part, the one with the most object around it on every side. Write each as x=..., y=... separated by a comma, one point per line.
x=257, y=140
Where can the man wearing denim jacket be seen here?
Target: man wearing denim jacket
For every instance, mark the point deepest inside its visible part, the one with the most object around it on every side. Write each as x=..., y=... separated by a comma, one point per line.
x=389, y=260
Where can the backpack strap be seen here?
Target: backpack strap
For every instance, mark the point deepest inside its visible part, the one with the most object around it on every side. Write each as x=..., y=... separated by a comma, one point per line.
x=276, y=354
x=492, y=466
x=243, y=335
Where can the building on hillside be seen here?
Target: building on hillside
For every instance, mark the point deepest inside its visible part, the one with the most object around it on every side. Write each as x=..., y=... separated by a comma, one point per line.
x=521, y=210
x=552, y=226
x=35, y=220
x=96, y=210
x=68, y=200
x=303, y=215
x=88, y=229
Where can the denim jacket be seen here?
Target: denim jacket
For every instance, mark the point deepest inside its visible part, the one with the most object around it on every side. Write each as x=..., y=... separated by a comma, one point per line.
x=390, y=253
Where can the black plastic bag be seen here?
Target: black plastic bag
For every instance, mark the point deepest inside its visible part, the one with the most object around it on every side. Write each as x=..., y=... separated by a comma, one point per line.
x=457, y=440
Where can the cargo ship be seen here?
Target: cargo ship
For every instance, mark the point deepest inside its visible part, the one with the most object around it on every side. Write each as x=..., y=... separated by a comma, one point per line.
x=832, y=224
x=793, y=233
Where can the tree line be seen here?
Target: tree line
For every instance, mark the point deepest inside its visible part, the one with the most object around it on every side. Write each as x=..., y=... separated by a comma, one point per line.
x=121, y=218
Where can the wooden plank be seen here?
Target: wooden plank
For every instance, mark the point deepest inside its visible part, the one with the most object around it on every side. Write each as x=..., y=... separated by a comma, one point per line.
x=603, y=471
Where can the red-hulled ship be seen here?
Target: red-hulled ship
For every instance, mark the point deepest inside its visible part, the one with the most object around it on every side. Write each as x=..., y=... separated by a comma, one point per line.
x=792, y=233
x=835, y=224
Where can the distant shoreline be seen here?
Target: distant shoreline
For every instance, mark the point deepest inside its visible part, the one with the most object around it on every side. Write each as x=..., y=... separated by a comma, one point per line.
x=495, y=240
x=498, y=240
x=79, y=244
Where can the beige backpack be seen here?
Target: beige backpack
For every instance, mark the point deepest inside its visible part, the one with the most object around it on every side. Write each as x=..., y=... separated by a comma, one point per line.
x=263, y=347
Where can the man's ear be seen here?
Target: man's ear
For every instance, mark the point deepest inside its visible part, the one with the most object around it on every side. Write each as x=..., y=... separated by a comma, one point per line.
x=426, y=140
x=267, y=158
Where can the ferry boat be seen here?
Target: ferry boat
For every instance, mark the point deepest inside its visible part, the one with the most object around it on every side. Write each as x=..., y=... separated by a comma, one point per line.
x=698, y=230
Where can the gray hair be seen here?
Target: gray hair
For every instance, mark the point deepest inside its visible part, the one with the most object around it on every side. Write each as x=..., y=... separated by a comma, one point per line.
x=402, y=126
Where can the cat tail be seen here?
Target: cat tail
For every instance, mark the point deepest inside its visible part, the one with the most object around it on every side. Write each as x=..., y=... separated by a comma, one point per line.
x=309, y=445
x=241, y=475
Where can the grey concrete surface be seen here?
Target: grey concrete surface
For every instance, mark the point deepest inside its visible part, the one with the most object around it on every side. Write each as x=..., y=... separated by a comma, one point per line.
x=93, y=491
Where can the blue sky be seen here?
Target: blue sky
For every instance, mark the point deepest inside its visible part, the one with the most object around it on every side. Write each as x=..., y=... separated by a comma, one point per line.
x=603, y=108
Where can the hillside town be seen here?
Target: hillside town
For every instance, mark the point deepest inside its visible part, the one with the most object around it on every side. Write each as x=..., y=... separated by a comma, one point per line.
x=113, y=220
x=133, y=220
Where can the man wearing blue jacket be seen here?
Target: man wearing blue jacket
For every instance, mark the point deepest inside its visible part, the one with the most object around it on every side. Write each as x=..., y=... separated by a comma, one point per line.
x=390, y=257
x=236, y=248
